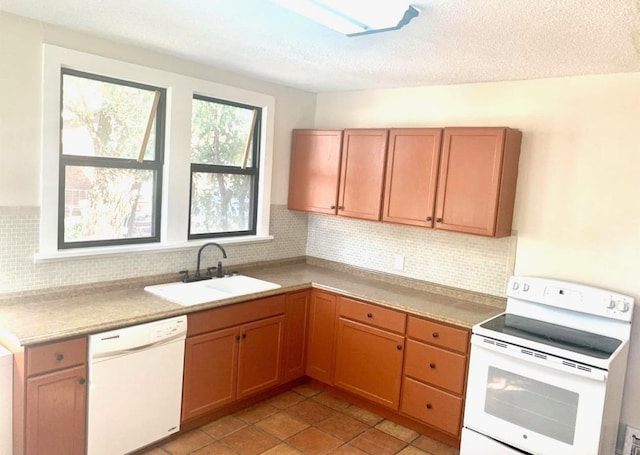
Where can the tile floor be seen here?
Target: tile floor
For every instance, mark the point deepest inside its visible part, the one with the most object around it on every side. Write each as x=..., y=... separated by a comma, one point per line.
x=303, y=420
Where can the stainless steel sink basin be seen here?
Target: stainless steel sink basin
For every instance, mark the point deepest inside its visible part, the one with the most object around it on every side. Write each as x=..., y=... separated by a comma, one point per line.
x=198, y=292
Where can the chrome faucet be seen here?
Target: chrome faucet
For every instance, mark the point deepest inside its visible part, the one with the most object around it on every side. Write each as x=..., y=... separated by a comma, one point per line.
x=219, y=268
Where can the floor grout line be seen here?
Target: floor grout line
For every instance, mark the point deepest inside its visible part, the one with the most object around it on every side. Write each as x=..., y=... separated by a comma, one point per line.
x=292, y=410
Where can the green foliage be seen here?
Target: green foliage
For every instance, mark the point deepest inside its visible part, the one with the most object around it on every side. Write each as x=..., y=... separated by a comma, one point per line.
x=219, y=134
x=115, y=118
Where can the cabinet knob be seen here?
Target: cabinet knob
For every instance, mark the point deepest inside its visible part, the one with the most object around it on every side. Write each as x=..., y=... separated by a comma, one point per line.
x=429, y=218
x=438, y=220
x=244, y=335
x=434, y=334
x=399, y=347
x=432, y=365
x=81, y=381
x=369, y=315
x=333, y=207
x=341, y=207
x=59, y=356
x=428, y=406
x=237, y=337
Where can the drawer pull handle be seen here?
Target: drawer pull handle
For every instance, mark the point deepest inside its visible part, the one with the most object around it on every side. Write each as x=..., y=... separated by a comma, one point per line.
x=428, y=406
x=81, y=381
x=59, y=356
x=369, y=315
x=432, y=365
x=434, y=334
x=399, y=347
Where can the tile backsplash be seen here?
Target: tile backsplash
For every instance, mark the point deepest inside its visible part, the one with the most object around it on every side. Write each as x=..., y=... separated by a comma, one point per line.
x=452, y=259
x=19, y=235
x=465, y=261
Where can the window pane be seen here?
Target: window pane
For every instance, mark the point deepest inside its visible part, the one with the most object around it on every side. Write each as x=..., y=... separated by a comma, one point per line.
x=219, y=133
x=220, y=203
x=105, y=119
x=107, y=203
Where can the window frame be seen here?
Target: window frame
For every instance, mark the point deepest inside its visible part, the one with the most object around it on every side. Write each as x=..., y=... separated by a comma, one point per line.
x=114, y=163
x=181, y=88
x=253, y=171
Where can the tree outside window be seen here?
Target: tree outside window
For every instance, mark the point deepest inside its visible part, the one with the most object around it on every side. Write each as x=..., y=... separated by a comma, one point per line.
x=111, y=157
x=225, y=144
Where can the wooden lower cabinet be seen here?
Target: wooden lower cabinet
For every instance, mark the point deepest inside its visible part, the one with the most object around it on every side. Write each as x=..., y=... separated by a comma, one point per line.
x=210, y=369
x=237, y=357
x=320, y=344
x=260, y=356
x=435, y=372
x=55, y=417
x=369, y=362
x=49, y=412
x=295, y=335
x=433, y=406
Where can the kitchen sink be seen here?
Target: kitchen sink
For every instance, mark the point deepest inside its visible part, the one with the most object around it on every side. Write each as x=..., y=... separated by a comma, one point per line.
x=198, y=292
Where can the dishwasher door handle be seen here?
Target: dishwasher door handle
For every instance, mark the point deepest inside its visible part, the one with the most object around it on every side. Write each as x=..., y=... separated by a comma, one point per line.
x=119, y=352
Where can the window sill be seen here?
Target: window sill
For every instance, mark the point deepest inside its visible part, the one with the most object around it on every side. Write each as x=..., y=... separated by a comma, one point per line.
x=149, y=248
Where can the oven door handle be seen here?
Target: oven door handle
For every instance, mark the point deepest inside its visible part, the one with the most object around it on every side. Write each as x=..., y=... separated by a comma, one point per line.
x=531, y=356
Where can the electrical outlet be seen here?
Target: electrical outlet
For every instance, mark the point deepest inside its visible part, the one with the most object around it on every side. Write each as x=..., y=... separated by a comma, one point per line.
x=631, y=441
x=398, y=262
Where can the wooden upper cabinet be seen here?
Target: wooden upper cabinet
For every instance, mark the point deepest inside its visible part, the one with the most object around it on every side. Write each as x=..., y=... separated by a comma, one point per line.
x=314, y=171
x=362, y=173
x=411, y=176
x=477, y=180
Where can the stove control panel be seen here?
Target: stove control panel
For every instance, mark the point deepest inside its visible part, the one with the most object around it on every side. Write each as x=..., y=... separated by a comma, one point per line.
x=571, y=296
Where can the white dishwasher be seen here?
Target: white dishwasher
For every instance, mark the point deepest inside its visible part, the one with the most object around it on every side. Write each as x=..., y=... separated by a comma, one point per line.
x=135, y=386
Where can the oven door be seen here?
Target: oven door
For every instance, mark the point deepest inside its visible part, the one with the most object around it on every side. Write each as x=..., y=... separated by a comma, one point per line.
x=533, y=401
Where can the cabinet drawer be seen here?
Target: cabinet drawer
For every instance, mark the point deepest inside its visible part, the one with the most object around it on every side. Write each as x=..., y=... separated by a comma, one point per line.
x=432, y=406
x=374, y=315
x=436, y=366
x=438, y=334
x=237, y=314
x=56, y=356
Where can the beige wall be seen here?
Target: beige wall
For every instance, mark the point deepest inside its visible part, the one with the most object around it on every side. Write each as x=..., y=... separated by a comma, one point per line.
x=577, y=215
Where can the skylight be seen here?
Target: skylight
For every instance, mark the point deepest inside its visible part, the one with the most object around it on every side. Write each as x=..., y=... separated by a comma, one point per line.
x=354, y=17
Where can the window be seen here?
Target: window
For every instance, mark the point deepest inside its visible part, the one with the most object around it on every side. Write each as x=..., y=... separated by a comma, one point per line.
x=130, y=192
x=111, y=157
x=225, y=146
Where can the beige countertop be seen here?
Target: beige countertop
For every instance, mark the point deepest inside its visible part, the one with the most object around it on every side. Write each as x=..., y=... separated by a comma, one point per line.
x=43, y=317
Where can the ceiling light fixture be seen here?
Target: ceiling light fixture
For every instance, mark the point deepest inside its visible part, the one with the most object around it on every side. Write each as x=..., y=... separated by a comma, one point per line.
x=354, y=17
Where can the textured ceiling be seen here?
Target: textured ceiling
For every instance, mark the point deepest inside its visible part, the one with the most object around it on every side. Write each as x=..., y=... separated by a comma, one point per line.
x=452, y=41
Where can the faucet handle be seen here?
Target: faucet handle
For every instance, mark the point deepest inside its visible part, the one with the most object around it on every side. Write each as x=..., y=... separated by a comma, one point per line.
x=185, y=275
x=209, y=269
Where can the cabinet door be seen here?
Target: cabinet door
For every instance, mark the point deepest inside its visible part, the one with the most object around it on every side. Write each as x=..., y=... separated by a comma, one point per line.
x=314, y=170
x=210, y=365
x=362, y=173
x=55, y=418
x=435, y=407
x=369, y=362
x=322, y=323
x=476, y=187
x=411, y=176
x=295, y=333
x=260, y=355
